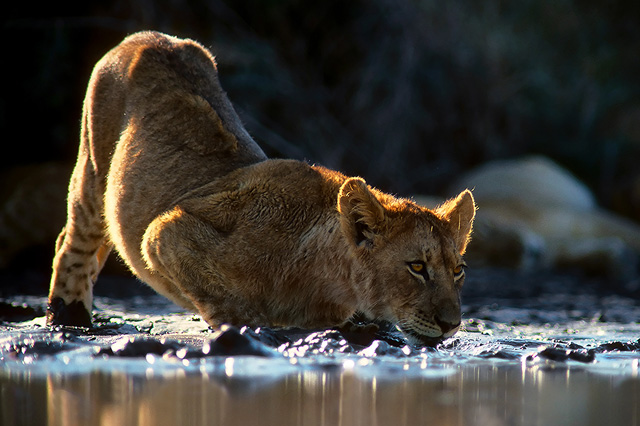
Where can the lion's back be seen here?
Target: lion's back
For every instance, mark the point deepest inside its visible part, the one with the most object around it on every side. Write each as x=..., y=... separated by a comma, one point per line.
x=161, y=126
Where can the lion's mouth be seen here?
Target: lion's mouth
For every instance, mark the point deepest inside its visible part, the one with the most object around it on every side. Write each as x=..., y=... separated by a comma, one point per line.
x=419, y=329
x=421, y=339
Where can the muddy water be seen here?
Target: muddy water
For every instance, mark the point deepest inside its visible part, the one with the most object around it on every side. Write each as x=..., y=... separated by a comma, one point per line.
x=535, y=360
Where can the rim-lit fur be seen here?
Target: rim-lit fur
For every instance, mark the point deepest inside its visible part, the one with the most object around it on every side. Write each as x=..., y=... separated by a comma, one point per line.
x=168, y=176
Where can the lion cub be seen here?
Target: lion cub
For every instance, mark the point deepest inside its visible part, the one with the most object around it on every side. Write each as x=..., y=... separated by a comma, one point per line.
x=167, y=175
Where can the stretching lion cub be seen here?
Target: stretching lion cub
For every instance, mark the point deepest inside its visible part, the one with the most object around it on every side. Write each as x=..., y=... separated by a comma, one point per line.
x=168, y=176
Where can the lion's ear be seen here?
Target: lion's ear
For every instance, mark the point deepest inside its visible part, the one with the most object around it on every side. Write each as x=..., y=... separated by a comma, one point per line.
x=361, y=215
x=458, y=213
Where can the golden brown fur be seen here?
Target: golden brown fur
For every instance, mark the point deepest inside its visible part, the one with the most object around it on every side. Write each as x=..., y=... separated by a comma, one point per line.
x=199, y=213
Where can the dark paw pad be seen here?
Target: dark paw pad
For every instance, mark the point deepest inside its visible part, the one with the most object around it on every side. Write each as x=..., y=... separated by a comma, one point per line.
x=74, y=314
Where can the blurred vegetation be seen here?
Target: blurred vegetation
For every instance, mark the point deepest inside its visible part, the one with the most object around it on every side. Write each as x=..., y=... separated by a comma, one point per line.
x=407, y=94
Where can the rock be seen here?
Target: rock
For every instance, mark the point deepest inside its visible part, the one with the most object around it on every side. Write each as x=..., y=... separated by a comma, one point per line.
x=228, y=341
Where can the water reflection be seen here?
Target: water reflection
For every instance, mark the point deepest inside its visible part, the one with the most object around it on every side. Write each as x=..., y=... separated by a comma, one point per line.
x=492, y=393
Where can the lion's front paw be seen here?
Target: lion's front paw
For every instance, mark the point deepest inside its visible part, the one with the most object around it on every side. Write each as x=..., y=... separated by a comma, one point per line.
x=358, y=332
x=357, y=327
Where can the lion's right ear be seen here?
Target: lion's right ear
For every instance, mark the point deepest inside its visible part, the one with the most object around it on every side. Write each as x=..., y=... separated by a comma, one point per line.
x=361, y=215
x=458, y=213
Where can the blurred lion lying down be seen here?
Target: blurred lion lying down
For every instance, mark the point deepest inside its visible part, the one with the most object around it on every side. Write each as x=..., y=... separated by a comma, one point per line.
x=534, y=214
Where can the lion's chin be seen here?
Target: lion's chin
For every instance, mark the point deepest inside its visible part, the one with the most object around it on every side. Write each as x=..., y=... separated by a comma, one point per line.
x=421, y=339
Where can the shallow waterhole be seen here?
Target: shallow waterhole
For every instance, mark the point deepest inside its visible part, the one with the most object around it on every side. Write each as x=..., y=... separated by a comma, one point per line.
x=548, y=359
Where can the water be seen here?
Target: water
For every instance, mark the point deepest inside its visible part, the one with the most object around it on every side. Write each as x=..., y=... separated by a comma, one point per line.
x=491, y=393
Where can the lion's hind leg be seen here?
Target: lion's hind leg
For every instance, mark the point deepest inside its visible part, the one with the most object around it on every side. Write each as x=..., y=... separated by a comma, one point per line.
x=81, y=251
x=183, y=249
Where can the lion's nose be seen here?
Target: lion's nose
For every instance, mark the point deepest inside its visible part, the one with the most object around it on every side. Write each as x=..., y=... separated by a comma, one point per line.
x=446, y=326
x=448, y=316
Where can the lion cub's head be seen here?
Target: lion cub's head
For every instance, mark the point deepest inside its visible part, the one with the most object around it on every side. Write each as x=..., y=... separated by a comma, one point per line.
x=413, y=255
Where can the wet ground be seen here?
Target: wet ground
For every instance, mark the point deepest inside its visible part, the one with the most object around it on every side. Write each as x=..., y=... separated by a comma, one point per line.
x=535, y=349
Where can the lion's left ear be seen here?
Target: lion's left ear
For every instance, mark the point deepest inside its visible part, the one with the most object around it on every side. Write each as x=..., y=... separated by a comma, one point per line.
x=458, y=213
x=362, y=217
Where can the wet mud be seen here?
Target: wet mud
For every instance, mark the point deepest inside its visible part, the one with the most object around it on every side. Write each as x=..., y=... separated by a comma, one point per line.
x=532, y=350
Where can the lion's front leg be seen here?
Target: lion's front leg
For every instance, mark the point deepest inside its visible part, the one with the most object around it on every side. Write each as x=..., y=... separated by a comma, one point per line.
x=180, y=248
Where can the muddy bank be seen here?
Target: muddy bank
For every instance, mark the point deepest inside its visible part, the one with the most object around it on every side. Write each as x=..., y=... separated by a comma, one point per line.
x=534, y=349
x=507, y=315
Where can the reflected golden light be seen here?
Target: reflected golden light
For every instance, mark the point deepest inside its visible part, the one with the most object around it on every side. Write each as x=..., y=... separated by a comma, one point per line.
x=491, y=392
x=228, y=366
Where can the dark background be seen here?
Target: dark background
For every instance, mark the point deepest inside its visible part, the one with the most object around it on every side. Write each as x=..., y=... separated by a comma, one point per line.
x=408, y=94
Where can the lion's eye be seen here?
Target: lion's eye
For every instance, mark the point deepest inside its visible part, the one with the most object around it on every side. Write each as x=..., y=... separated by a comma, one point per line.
x=459, y=270
x=419, y=268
